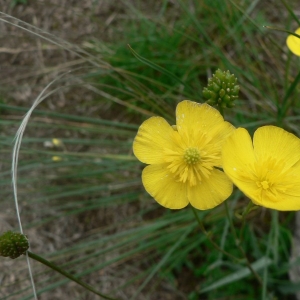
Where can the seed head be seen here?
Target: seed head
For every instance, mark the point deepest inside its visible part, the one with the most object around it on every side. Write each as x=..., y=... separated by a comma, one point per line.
x=13, y=244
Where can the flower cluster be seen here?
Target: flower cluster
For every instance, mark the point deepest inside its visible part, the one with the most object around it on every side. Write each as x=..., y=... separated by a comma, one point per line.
x=185, y=161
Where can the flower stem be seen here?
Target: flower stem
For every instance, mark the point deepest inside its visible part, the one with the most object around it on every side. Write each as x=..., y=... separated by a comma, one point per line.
x=209, y=237
x=244, y=215
x=221, y=110
x=238, y=244
x=66, y=274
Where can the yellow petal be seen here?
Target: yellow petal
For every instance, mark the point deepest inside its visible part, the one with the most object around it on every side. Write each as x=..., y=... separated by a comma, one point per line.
x=153, y=136
x=286, y=203
x=221, y=131
x=289, y=199
x=57, y=158
x=293, y=43
x=238, y=160
x=195, y=116
x=160, y=184
x=292, y=182
x=211, y=192
x=238, y=155
x=57, y=142
x=288, y=196
x=271, y=141
x=218, y=136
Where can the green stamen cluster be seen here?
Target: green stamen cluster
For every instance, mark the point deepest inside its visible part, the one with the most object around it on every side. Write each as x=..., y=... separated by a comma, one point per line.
x=191, y=156
x=222, y=89
x=13, y=244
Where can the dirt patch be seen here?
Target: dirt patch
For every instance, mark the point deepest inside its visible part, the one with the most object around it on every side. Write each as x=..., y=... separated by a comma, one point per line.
x=28, y=64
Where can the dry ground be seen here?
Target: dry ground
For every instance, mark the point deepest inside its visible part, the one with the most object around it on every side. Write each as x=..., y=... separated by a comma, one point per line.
x=27, y=65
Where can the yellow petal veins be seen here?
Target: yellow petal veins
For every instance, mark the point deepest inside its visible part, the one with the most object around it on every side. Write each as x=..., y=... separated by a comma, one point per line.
x=267, y=171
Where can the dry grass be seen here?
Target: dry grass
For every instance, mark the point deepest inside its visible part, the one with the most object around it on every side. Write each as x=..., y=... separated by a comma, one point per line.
x=28, y=64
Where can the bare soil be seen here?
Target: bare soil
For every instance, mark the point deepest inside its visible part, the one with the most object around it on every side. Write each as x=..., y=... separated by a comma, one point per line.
x=28, y=63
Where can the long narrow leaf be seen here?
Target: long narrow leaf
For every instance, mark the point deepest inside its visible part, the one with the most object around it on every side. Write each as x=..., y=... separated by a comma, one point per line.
x=240, y=274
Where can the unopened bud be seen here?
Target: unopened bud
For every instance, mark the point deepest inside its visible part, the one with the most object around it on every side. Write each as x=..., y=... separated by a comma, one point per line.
x=222, y=89
x=13, y=244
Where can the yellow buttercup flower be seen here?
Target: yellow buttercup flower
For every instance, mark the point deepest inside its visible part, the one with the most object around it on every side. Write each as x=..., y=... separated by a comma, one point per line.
x=57, y=158
x=267, y=171
x=293, y=43
x=184, y=159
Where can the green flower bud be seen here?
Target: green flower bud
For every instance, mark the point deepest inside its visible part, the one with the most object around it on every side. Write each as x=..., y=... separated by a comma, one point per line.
x=210, y=102
x=207, y=94
x=13, y=244
x=222, y=93
x=222, y=89
x=215, y=87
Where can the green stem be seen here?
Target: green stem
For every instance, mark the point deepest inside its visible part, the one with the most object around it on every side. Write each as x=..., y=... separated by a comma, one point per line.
x=244, y=215
x=291, y=11
x=286, y=103
x=238, y=244
x=221, y=110
x=66, y=274
x=210, y=239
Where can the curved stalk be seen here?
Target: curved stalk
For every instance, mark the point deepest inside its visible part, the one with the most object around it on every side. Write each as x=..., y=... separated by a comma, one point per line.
x=66, y=274
x=238, y=244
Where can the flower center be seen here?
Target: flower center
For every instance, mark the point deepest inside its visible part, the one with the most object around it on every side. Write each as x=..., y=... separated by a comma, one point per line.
x=272, y=178
x=263, y=184
x=191, y=156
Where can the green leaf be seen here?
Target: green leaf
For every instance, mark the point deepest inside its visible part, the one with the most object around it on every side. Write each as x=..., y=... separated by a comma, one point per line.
x=238, y=275
x=156, y=67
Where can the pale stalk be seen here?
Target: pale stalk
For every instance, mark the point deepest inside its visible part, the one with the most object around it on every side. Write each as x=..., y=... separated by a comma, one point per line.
x=66, y=274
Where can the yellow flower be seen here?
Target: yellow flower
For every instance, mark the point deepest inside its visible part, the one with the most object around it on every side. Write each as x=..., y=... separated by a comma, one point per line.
x=57, y=142
x=183, y=158
x=293, y=43
x=57, y=158
x=267, y=171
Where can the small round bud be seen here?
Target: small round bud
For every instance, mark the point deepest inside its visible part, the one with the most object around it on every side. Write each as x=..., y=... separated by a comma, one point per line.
x=13, y=244
x=222, y=93
x=215, y=87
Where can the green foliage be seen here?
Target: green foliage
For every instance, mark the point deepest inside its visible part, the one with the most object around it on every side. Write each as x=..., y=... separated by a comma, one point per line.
x=16, y=2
